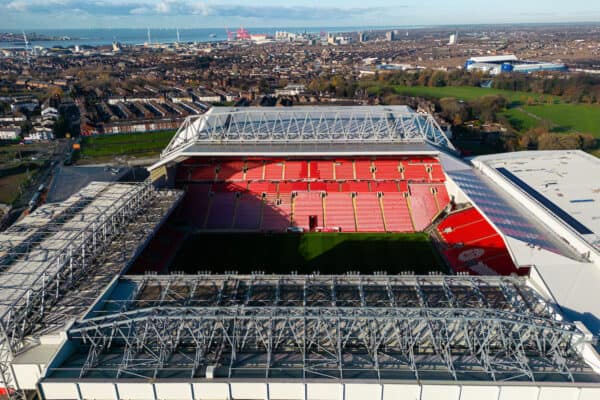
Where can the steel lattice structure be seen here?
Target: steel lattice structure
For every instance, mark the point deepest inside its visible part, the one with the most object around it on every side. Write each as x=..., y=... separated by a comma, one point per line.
x=338, y=327
x=45, y=260
x=390, y=124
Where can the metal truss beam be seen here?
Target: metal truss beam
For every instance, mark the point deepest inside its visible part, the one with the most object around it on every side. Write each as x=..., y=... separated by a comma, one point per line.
x=312, y=125
x=178, y=332
x=57, y=277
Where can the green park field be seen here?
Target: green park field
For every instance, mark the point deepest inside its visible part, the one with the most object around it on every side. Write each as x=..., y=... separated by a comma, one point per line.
x=550, y=111
x=138, y=144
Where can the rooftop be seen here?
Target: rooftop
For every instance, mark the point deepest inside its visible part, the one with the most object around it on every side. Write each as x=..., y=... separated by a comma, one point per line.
x=565, y=183
x=301, y=129
x=326, y=327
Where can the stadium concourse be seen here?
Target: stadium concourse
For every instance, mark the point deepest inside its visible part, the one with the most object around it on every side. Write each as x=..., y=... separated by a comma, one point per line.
x=513, y=318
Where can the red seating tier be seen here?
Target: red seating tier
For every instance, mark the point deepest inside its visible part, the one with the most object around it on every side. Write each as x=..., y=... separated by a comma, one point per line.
x=274, y=170
x=321, y=170
x=368, y=213
x=423, y=205
x=344, y=169
x=254, y=170
x=247, y=213
x=307, y=204
x=237, y=191
x=397, y=215
x=387, y=169
x=231, y=171
x=339, y=211
x=474, y=246
x=363, y=169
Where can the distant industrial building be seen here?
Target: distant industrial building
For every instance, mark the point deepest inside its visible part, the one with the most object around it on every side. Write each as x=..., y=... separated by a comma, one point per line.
x=496, y=65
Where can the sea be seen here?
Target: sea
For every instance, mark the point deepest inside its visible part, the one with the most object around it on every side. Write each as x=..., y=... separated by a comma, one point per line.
x=137, y=36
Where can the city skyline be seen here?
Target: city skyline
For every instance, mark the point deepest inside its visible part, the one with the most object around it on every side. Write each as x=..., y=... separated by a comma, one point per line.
x=53, y=14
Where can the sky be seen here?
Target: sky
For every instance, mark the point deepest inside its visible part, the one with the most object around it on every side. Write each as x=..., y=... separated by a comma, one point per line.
x=77, y=14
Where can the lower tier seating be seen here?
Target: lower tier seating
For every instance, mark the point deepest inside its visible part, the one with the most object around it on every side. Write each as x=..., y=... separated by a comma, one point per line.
x=473, y=245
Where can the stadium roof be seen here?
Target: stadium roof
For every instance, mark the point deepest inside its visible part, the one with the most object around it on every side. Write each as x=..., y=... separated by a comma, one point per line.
x=494, y=59
x=306, y=129
x=55, y=262
x=351, y=327
x=507, y=214
x=565, y=183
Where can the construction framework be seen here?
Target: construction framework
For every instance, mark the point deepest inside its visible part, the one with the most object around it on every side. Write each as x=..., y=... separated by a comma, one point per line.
x=391, y=124
x=325, y=327
x=46, y=259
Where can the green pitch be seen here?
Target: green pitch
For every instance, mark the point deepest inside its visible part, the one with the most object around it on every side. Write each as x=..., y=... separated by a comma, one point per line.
x=328, y=253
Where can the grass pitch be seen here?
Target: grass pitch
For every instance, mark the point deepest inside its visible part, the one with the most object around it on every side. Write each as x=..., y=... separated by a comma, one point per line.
x=328, y=253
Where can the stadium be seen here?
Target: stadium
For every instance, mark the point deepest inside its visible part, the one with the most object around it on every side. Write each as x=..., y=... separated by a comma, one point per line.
x=311, y=253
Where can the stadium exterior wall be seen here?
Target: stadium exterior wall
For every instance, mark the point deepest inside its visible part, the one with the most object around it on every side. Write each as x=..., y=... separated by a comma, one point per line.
x=315, y=390
x=540, y=212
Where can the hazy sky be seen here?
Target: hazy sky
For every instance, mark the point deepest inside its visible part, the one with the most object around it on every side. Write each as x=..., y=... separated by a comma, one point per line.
x=37, y=14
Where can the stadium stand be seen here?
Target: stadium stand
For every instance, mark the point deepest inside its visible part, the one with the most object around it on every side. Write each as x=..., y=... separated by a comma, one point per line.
x=396, y=213
x=307, y=206
x=255, y=170
x=247, y=212
x=297, y=190
x=474, y=246
x=339, y=211
x=387, y=169
x=322, y=169
x=343, y=169
x=368, y=213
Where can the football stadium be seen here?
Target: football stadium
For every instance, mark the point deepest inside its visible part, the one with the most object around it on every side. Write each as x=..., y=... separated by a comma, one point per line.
x=322, y=253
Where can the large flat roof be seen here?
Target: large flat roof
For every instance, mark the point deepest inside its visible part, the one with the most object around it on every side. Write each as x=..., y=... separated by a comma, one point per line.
x=565, y=183
x=505, y=212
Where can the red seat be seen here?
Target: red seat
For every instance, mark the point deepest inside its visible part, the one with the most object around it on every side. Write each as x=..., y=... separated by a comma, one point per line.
x=203, y=172
x=254, y=170
x=262, y=187
x=339, y=211
x=396, y=213
x=296, y=170
x=307, y=204
x=363, y=169
x=274, y=170
x=368, y=213
x=321, y=170
x=231, y=171
x=385, y=186
x=344, y=169
x=288, y=187
x=474, y=246
x=355, y=186
x=423, y=206
x=387, y=169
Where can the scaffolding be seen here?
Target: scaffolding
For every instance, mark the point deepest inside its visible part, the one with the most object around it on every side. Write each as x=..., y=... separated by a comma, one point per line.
x=326, y=327
x=390, y=124
x=48, y=260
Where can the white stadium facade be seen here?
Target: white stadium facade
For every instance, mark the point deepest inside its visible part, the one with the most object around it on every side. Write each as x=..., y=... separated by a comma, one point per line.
x=516, y=317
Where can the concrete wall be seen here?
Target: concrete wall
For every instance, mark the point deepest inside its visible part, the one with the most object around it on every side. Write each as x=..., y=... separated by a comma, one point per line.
x=321, y=390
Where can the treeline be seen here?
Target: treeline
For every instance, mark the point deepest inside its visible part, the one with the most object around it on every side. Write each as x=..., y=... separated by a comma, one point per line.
x=431, y=78
x=484, y=109
x=574, y=88
x=541, y=139
x=488, y=109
